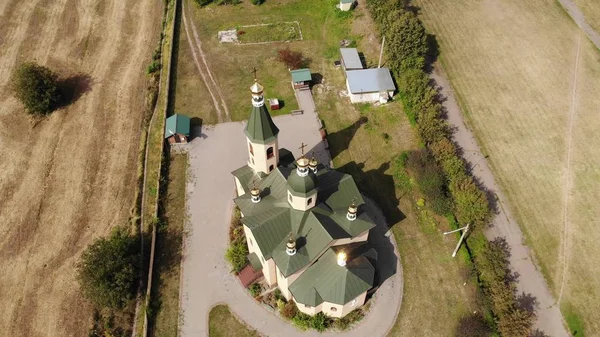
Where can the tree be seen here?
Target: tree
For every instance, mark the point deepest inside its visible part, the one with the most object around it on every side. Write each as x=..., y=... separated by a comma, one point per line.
x=37, y=88
x=292, y=59
x=109, y=270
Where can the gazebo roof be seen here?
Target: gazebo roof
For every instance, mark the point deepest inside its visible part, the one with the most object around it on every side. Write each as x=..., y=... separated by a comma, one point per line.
x=301, y=75
x=177, y=124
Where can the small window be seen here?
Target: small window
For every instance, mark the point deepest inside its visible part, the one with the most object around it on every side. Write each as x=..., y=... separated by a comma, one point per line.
x=250, y=240
x=270, y=153
x=353, y=302
x=251, y=149
x=271, y=168
x=252, y=161
x=309, y=202
x=291, y=198
x=263, y=259
x=334, y=309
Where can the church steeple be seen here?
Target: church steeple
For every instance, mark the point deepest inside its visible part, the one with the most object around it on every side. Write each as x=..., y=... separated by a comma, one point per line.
x=261, y=133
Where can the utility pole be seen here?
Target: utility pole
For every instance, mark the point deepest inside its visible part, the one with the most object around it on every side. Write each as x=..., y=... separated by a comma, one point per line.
x=465, y=230
x=381, y=52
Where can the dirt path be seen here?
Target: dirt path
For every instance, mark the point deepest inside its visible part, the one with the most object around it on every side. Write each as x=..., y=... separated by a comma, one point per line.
x=565, y=237
x=577, y=16
x=204, y=70
x=504, y=225
x=67, y=179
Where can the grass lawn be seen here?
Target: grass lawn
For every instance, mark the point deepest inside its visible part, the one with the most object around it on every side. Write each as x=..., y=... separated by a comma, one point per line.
x=168, y=250
x=271, y=32
x=231, y=64
x=222, y=323
x=528, y=81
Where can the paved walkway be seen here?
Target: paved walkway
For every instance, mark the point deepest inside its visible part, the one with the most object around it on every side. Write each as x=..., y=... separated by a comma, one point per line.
x=504, y=224
x=206, y=278
x=577, y=16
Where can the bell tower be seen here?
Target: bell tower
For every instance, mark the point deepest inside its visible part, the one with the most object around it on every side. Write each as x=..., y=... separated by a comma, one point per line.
x=261, y=133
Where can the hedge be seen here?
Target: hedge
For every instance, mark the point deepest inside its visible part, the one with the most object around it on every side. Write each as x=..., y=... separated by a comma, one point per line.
x=406, y=52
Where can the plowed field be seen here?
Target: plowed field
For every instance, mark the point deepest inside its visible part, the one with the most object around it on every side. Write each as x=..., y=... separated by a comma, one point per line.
x=67, y=179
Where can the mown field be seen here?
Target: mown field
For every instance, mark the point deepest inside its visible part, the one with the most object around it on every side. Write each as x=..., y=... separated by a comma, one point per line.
x=439, y=292
x=591, y=11
x=527, y=79
x=69, y=178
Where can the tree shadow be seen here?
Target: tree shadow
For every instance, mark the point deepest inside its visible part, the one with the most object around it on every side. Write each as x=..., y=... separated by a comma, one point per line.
x=473, y=325
x=174, y=63
x=433, y=52
x=316, y=78
x=339, y=140
x=527, y=302
x=379, y=186
x=72, y=88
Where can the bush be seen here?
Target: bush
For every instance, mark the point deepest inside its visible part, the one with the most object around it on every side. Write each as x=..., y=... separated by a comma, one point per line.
x=348, y=320
x=320, y=322
x=292, y=59
x=430, y=180
x=109, y=270
x=36, y=87
x=153, y=67
x=255, y=289
x=289, y=310
x=237, y=255
x=257, y=2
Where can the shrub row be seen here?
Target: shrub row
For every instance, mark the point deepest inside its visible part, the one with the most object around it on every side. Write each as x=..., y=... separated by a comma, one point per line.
x=238, y=249
x=320, y=321
x=438, y=168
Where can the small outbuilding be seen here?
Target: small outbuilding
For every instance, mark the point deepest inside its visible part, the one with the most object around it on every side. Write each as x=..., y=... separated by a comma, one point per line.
x=301, y=78
x=350, y=59
x=177, y=129
x=370, y=85
x=346, y=5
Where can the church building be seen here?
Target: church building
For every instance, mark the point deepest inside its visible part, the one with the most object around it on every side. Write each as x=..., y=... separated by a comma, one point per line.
x=305, y=224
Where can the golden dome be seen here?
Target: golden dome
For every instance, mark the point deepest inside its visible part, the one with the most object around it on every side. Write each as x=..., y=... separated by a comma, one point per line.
x=352, y=209
x=313, y=162
x=256, y=88
x=291, y=244
x=302, y=162
x=255, y=192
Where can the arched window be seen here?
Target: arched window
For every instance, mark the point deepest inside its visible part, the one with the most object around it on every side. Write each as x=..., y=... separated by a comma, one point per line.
x=309, y=202
x=251, y=149
x=334, y=309
x=290, y=198
x=250, y=240
x=270, y=152
x=270, y=168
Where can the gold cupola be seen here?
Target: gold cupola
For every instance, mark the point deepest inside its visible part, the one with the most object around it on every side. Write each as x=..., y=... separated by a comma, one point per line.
x=352, y=210
x=290, y=246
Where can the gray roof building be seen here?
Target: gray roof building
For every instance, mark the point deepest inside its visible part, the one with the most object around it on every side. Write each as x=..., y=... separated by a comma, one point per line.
x=370, y=80
x=351, y=59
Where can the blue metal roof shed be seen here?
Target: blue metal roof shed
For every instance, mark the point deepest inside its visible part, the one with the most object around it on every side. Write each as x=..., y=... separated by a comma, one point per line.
x=370, y=80
x=350, y=58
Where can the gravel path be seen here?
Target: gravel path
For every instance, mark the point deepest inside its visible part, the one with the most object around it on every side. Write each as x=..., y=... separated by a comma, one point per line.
x=206, y=278
x=504, y=225
x=577, y=16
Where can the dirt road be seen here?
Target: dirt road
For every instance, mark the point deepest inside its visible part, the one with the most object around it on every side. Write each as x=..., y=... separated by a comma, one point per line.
x=68, y=179
x=577, y=16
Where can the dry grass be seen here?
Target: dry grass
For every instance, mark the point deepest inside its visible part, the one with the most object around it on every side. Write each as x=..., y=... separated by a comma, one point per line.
x=222, y=323
x=591, y=11
x=514, y=74
x=68, y=179
x=168, y=250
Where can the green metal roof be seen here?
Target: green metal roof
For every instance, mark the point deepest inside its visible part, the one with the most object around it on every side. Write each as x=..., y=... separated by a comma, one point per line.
x=260, y=127
x=302, y=186
x=254, y=261
x=327, y=281
x=347, y=1
x=301, y=75
x=177, y=124
x=272, y=219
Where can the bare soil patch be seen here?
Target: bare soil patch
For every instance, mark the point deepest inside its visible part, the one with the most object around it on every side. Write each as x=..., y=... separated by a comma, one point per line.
x=67, y=179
